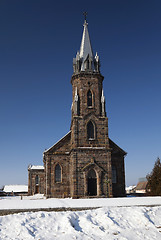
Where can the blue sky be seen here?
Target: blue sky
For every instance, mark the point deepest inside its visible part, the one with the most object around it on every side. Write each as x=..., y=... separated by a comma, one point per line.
x=38, y=40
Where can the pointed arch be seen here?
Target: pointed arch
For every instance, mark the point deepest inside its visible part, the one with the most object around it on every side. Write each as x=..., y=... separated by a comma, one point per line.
x=90, y=130
x=89, y=98
x=86, y=63
x=92, y=173
x=58, y=175
x=92, y=183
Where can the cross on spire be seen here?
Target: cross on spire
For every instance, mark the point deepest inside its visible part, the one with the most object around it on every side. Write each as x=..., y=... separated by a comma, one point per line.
x=85, y=16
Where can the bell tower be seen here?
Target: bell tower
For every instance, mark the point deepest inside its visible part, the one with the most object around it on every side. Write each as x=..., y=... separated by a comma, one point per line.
x=89, y=124
x=85, y=162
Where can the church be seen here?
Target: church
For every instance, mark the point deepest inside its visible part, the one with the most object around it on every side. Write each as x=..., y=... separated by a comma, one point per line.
x=85, y=162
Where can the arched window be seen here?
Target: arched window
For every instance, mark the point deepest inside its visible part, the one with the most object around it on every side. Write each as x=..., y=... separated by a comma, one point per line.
x=37, y=180
x=90, y=130
x=57, y=173
x=87, y=64
x=114, y=174
x=89, y=99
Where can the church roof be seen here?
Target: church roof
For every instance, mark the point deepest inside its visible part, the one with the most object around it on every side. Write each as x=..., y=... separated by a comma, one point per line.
x=35, y=167
x=116, y=148
x=15, y=188
x=59, y=143
x=66, y=139
x=141, y=185
x=85, y=48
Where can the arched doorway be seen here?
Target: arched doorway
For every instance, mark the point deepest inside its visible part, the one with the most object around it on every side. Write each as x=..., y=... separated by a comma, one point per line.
x=92, y=183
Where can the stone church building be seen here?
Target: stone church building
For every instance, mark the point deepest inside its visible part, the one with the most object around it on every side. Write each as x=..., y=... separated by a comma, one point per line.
x=85, y=162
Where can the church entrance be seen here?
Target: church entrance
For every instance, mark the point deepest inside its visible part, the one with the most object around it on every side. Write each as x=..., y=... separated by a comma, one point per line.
x=36, y=189
x=92, y=183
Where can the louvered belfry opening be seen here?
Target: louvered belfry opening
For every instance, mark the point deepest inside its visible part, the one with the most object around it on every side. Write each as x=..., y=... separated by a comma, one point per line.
x=89, y=99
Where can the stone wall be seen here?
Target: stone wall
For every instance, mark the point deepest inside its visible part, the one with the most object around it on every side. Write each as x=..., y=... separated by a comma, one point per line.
x=119, y=187
x=34, y=188
x=78, y=155
x=84, y=160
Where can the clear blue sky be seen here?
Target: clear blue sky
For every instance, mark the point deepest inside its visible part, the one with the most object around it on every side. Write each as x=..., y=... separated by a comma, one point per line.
x=38, y=40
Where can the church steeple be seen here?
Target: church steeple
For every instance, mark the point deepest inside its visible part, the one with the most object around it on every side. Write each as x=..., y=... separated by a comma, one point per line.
x=85, y=48
x=85, y=61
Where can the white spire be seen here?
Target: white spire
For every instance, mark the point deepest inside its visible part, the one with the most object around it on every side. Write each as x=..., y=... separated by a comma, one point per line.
x=85, y=60
x=102, y=97
x=103, y=104
x=85, y=47
x=77, y=56
x=76, y=102
x=97, y=57
x=76, y=95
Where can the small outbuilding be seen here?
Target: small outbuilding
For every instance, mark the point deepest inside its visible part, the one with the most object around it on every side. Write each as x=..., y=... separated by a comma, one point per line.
x=16, y=190
x=36, y=179
x=141, y=188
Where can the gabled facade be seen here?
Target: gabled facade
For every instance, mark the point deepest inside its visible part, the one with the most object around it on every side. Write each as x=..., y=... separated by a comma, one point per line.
x=85, y=162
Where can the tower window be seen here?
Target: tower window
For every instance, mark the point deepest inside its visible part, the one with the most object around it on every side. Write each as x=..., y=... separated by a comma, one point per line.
x=78, y=106
x=90, y=130
x=57, y=173
x=114, y=174
x=89, y=99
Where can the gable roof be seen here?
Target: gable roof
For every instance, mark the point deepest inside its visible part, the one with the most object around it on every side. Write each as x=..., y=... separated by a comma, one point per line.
x=35, y=167
x=141, y=185
x=66, y=139
x=60, y=143
x=116, y=148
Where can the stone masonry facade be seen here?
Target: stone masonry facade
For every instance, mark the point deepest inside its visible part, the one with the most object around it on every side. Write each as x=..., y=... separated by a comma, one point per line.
x=85, y=162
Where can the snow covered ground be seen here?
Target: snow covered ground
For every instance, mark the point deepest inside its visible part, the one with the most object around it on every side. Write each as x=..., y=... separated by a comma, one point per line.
x=118, y=218
x=39, y=201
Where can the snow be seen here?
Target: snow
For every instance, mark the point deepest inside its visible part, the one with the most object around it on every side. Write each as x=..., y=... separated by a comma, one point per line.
x=34, y=167
x=129, y=188
x=15, y=188
x=118, y=218
x=105, y=223
x=41, y=202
